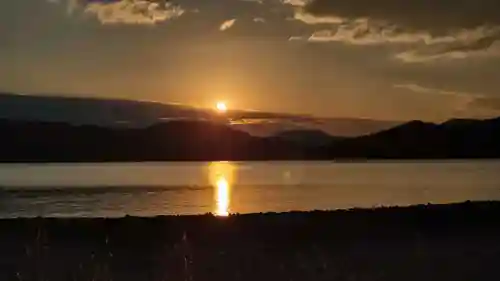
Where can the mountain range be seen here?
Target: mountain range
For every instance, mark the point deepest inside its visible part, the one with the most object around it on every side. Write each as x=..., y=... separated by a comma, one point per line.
x=456, y=138
x=186, y=140
x=209, y=137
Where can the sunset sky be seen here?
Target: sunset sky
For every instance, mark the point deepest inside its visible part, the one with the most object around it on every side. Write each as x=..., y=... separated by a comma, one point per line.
x=385, y=59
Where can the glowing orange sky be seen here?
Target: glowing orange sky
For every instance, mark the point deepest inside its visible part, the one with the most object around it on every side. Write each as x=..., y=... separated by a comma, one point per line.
x=270, y=56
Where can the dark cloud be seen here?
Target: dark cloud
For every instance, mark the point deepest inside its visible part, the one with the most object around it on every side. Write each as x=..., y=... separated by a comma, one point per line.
x=438, y=16
x=438, y=29
x=457, y=49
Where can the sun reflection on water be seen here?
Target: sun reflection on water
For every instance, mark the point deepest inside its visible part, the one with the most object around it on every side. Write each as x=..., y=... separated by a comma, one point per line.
x=222, y=199
x=221, y=177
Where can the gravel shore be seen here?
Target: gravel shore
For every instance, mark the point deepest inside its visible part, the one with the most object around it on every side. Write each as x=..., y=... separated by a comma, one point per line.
x=427, y=242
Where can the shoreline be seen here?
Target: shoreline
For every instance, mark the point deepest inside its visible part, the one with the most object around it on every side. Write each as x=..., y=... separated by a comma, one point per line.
x=475, y=208
x=423, y=242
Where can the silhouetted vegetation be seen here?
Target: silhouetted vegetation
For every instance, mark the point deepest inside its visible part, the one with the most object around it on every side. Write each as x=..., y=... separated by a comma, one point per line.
x=427, y=242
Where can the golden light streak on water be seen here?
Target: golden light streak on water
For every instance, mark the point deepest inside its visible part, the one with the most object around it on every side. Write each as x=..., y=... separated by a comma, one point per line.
x=222, y=200
x=221, y=177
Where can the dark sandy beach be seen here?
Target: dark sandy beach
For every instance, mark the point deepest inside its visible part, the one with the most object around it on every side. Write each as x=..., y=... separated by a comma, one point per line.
x=433, y=242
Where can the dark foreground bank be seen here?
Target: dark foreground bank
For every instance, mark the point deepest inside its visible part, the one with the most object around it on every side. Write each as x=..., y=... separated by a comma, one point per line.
x=439, y=242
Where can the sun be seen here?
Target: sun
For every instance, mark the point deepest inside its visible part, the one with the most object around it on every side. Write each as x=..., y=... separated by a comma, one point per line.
x=221, y=106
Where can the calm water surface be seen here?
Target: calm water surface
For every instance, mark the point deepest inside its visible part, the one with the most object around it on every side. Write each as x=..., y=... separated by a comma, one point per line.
x=146, y=189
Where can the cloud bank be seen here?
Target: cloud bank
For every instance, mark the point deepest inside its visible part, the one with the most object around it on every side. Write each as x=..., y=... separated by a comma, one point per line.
x=435, y=29
x=476, y=103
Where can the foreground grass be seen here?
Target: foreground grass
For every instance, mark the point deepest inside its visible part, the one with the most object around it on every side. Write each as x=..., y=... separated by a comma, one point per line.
x=431, y=242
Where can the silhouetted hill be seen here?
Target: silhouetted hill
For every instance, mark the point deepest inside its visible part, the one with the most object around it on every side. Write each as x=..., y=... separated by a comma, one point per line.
x=417, y=139
x=313, y=138
x=174, y=140
x=341, y=127
x=188, y=140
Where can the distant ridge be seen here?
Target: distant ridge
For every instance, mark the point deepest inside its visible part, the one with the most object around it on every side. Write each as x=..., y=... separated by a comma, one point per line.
x=181, y=140
x=417, y=139
x=188, y=140
x=311, y=138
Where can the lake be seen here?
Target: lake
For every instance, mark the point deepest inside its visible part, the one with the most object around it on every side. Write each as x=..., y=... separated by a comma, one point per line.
x=148, y=189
